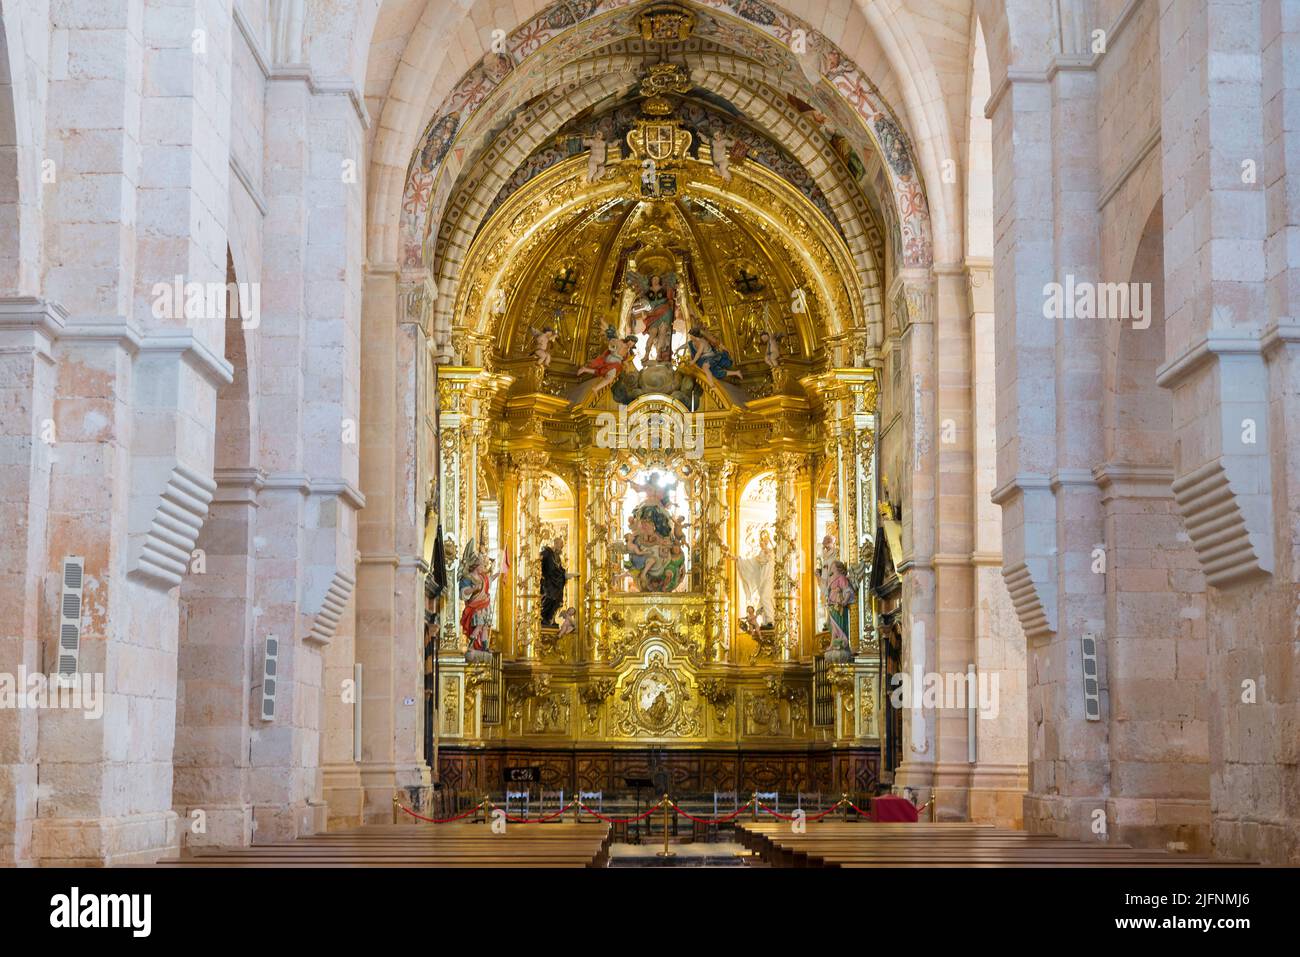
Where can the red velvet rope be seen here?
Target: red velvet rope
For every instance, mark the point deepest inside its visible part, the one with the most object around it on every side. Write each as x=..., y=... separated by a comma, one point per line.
x=714, y=820
x=776, y=814
x=818, y=817
x=539, y=820
x=807, y=817
x=623, y=820
x=443, y=820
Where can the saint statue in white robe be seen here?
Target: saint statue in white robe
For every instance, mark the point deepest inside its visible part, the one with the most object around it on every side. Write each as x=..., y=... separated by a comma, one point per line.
x=756, y=577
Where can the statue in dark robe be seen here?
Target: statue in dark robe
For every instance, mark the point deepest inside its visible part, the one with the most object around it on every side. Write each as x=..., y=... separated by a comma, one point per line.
x=554, y=578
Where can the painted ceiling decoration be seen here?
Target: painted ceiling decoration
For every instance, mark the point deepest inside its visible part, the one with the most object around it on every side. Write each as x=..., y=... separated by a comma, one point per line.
x=845, y=105
x=702, y=112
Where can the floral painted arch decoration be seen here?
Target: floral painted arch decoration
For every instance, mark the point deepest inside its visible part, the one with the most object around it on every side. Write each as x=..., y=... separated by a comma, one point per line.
x=568, y=28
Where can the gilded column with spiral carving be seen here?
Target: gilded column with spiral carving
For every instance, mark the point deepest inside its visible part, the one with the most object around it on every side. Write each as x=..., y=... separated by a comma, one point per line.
x=846, y=452
x=717, y=627
x=450, y=512
x=786, y=624
x=596, y=576
x=528, y=598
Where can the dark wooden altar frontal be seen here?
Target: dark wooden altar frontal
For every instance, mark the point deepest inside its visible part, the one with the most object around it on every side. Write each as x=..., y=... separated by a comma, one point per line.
x=789, y=771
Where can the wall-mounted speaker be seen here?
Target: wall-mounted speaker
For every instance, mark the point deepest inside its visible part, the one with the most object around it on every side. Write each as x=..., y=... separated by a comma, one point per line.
x=1091, y=681
x=269, y=669
x=70, y=616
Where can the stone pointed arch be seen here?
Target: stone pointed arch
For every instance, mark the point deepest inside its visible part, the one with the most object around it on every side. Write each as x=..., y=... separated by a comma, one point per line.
x=20, y=162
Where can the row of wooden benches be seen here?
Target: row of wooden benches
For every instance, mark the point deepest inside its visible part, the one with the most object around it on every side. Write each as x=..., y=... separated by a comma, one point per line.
x=444, y=845
x=839, y=844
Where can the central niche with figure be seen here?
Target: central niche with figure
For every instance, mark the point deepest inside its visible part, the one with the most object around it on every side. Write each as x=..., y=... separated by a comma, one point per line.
x=654, y=545
x=756, y=563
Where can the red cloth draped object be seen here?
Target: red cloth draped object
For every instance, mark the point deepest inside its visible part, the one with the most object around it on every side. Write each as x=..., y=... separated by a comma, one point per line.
x=890, y=809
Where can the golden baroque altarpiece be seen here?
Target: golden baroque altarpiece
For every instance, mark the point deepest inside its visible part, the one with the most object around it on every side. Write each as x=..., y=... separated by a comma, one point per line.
x=673, y=478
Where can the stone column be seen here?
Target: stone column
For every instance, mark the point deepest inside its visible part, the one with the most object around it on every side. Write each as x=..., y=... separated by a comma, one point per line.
x=135, y=404
x=1272, y=654
x=1046, y=188
x=396, y=455
x=952, y=437
x=215, y=669
x=29, y=328
x=1227, y=121
x=999, y=773
x=913, y=301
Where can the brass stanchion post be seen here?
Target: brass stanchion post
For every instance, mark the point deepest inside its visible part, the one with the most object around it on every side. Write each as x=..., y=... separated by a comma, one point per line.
x=487, y=808
x=844, y=807
x=665, y=852
x=754, y=798
x=395, y=807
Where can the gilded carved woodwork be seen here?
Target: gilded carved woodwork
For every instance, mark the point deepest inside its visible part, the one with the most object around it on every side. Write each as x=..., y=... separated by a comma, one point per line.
x=718, y=694
x=667, y=668
x=800, y=251
x=593, y=695
x=535, y=707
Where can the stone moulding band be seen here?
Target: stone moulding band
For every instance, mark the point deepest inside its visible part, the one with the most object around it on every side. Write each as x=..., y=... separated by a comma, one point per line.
x=304, y=483
x=51, y=320
x=128, y=334
x=1216, y=342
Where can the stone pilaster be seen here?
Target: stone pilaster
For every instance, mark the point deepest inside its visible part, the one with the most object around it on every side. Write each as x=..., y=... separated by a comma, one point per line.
x=913, y=298
x=29, y=327
x=1051, y=515
x=396, y=449
x=1231, y=343
x=951, y=437
x=215, y=662
x=999, y=771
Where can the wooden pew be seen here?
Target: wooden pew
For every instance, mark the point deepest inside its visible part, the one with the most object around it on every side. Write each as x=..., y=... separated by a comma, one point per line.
x=445, y=845
x=957, y=844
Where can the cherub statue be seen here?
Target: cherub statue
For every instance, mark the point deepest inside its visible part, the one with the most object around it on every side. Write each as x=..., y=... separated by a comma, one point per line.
x=607, y=366
x=567, y=625
x=499, y=303
x=543, y=339
x=722, y=155
x=750, y=622
x=678, y=522
x=707, y=353
x=771, y=348
x=596, y=158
